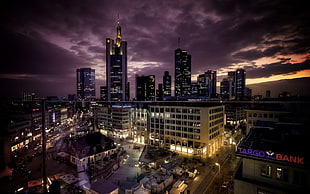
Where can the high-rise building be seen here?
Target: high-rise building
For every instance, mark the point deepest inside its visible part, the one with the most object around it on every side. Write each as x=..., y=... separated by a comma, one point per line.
x=145, y=88
x=167, y=84
x=225, y=89
x=232, y=85
x=160, y=92
x=207, y=84
x=103, y=93
x=116, y=68
x=85, y=80
x=28, y=96
x=195, y=87
x=182, y=73
x=240, y=84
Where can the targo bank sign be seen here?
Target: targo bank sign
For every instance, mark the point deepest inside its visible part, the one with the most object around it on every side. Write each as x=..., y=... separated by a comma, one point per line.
x=272, y=155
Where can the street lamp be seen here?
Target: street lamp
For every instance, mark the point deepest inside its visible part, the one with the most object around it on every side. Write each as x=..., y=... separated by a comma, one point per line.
x=217, y=164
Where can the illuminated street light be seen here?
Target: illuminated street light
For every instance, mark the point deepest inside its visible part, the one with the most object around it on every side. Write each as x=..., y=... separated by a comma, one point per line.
x=217, y=164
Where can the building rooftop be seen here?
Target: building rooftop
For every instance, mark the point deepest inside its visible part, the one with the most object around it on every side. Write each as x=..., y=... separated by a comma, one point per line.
x=278, y=142
x=92, y=143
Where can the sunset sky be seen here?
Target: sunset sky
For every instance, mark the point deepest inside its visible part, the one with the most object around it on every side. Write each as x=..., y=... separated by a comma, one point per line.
x=44, y=42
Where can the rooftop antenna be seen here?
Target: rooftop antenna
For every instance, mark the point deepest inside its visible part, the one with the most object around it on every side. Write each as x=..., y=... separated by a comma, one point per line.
x=179, y=40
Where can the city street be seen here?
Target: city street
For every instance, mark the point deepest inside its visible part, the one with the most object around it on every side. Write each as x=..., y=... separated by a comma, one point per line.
x=208, y=180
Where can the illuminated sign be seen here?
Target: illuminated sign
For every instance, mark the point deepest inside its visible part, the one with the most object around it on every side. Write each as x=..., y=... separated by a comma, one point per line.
x=53, y=117
x=271, y=155
x=121, y=106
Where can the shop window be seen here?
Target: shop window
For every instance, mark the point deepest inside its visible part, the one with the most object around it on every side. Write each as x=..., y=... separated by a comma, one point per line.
x=281, y=174
x=266, y=170
x=261, y=191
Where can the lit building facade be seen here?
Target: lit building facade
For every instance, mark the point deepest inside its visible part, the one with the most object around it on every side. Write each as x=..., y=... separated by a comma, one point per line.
x=167, y=84
x=188, y=129
x=139, y=119
x=145, y=88
x=182, y=73
x=116, y=68
x=103, y=93
x=240, y=84
x=207, y=85
x=114, y=119
x=28, y=96
x=85, y=79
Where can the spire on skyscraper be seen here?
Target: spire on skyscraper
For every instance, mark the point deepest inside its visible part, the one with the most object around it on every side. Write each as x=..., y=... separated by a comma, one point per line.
x=118, y=33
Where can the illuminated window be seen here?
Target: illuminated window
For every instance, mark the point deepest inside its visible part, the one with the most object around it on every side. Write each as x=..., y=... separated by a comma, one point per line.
x=261, y=191
x=266, y=170
x=281, y=174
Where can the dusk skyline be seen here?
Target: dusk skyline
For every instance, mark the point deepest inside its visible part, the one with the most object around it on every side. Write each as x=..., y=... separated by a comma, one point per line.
x=44, y=42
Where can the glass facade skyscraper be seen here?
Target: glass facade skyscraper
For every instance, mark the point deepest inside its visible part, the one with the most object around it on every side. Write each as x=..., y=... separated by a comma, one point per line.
x=240, y=84
x=145, y=88
x=167, y=84
x=182, y=73
x=85, y=80
x=116, y=68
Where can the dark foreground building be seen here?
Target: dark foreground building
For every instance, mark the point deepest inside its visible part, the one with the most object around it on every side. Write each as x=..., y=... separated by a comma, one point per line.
x=275, y=159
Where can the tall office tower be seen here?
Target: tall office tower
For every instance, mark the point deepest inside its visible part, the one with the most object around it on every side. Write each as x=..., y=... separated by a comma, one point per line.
x=195, y=87
x=85, y=80
x=232, y=84
x=224, y=89
x=207, y=84
x=145, y=88
x=167, y=84
x=160, y=92
x=203, y=86
x=28, y=96
x=240, y=84
x=212, y=77
x=116, y=68
x=227, y=88
x=103, y=93
x=182, y=73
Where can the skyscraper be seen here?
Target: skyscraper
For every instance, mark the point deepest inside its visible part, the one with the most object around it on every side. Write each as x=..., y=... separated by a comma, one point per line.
x=145, y=88
x=85, y=80
x=207, y=84
x=182, y=73
x=232, y=87
x=160, y=92
x=103, y=93
x=240, y=84
x=167, y=84
x=227, y=88
x=116, y=68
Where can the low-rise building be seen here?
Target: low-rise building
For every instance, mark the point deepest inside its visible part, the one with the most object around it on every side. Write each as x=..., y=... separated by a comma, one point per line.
x=186, y=128
x=274, y=160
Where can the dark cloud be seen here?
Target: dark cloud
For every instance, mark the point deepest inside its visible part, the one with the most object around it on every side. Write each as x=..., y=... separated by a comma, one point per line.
x=26, y=55
x=55, y=37
x=293, y=86
x=96, y=49
x=277, y=68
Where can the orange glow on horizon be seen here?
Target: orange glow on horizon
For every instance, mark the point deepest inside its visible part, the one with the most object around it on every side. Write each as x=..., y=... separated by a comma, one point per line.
x=292, y=75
